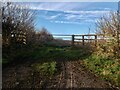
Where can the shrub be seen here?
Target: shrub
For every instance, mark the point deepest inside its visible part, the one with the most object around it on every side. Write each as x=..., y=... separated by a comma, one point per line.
x=108, y=29
x=43, y=36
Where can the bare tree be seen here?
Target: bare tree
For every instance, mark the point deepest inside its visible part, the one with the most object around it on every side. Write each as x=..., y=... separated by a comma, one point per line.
x=16, y=22
x=43, y=36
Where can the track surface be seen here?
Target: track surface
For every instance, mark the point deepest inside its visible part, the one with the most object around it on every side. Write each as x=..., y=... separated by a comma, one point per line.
x=72, y=75
x=75, y=77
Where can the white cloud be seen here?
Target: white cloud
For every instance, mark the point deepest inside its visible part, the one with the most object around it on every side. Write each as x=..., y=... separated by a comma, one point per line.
x=53, y=17
x=83, y=15
x=63, y=6
x=76, y=17
x=90, y=20
x=56, y=6
x=78, y=14
x=69, y=12
x=48, y=6
x=65, y=22
x=87, y=12
x=75, y=22
x=68, y=16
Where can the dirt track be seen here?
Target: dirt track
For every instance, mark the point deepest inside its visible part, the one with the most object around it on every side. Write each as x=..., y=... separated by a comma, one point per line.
x=73, y=75
x=80, y=77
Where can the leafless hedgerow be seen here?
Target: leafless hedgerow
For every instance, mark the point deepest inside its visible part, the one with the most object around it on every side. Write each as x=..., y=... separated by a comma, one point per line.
x=17, y=21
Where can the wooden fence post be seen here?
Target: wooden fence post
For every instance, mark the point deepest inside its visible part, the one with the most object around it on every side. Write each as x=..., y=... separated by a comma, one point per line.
x=83, y=40
x=95, y=40
x=73, y=40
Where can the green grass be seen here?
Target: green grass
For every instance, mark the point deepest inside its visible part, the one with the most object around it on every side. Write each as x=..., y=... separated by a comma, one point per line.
x=45, y=69
x=48, y=54
x=108, y=69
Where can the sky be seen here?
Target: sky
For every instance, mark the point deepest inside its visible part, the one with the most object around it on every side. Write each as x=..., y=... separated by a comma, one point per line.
x=70, y=17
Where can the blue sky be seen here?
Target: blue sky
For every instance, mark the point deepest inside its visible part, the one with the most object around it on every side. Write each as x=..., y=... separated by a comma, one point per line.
x=70, y=17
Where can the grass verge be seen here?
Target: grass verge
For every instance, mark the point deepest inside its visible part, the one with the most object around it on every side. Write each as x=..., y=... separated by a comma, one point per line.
x=108, y=69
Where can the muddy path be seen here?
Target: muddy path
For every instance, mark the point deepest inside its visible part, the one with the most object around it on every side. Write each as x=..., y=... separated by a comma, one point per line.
x=72, y=75
x=82, y=78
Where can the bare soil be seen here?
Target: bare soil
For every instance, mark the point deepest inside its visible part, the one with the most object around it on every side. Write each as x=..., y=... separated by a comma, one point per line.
x=72, y=74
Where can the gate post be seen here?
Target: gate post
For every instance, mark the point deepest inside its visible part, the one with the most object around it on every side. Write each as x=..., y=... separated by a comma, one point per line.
x=73, y=39
x=95, y=40
x=83, y=40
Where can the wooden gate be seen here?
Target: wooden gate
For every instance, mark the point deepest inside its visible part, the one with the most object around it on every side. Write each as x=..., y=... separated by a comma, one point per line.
x=79, y=38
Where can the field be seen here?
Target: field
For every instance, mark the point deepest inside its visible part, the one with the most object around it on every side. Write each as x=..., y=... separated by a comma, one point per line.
x=58, y=67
